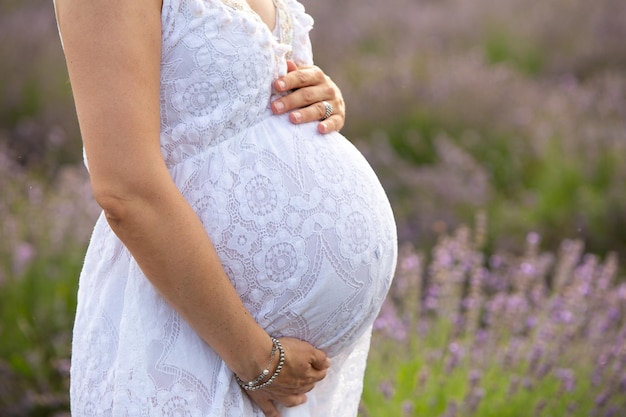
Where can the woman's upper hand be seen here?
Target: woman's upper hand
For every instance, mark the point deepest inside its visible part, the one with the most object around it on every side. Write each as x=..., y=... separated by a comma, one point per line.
x=304, y=367
x=308, y=88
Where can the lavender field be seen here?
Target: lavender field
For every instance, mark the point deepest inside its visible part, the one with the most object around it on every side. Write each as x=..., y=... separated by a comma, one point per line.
x=498, y=128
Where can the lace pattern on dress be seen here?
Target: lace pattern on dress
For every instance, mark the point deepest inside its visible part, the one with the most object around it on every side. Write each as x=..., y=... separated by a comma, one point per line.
x=299, y=220
x=283, y=22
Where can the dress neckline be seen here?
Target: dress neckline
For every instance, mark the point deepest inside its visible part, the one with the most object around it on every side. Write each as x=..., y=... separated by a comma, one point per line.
x=282, y=25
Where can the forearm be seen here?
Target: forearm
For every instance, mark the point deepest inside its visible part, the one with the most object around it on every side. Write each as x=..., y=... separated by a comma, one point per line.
x=113, y=51
x=171, y=246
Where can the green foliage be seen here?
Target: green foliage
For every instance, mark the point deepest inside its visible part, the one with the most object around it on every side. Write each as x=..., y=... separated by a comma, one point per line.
x=37, y=310
x=427, y=389
x=533, y=335
x=420, y=150
x=431, y=394
x=546, y=187
x=488, y=106
x=502, y=47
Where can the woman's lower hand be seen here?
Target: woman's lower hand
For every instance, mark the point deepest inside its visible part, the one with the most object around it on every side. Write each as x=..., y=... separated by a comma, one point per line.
x=310, y=93
x=304, y=367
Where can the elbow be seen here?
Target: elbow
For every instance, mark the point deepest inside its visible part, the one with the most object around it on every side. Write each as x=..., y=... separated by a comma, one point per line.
x=126, y=195
x=115, y=202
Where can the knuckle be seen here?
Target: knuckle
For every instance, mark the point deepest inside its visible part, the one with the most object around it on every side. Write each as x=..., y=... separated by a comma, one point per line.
x=322, y=109
x=317, y=71
x=301, y=76
x=308, y=95
x=329, y=91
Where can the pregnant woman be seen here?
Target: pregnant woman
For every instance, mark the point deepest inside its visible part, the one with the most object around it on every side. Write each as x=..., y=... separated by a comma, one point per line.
x=244, y=248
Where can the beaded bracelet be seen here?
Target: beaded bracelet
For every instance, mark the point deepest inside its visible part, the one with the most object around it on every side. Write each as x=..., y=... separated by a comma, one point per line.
x=256, y=383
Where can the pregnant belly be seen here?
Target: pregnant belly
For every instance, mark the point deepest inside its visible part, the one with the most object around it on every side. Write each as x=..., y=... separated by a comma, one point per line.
x=303, y=229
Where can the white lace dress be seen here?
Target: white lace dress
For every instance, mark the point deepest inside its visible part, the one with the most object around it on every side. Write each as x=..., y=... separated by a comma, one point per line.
x=299, y=220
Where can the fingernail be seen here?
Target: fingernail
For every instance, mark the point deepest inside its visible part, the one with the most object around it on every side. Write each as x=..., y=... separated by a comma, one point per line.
x=281, y=85
x=279, y=106
x=297, y=116
x=323, y=127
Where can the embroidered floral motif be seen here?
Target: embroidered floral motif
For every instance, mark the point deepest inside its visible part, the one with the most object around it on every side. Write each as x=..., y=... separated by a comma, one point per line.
x=261, y=195
x=355, y=231
x=176, y=401
x=283, y=261
x=299, y=222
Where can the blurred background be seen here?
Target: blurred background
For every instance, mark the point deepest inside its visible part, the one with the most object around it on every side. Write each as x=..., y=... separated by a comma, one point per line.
x=504, y=115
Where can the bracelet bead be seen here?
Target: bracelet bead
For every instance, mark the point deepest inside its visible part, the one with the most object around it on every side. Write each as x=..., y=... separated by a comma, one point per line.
x=257, y=383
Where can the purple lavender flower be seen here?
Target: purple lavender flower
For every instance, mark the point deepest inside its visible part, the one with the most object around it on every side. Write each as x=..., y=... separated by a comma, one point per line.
x=23, y=253
x=407, y=408
x=567, y=377
x=389, y=323
x=387, y=389
x=602, y=398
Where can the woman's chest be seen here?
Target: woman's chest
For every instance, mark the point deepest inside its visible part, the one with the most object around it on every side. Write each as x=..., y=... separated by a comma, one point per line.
x=217, y=36
x=218, y=65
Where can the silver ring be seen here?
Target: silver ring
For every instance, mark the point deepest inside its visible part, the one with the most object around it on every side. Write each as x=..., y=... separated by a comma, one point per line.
x=329, y=110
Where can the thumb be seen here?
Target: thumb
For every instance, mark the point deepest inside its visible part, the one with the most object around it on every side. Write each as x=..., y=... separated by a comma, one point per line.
x=320, y=360
x=291, y=66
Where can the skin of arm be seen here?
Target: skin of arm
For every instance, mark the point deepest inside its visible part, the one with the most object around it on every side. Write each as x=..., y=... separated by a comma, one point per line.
x=113, y=53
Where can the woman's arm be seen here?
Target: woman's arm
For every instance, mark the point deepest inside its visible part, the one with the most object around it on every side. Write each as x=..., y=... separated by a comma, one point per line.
x=113, y=53
x=310, y=87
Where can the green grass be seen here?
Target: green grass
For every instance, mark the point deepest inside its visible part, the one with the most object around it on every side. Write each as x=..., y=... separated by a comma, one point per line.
x=37, y=311
x=420, y=378
x=502, y=47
